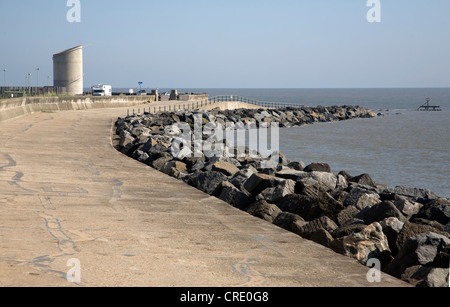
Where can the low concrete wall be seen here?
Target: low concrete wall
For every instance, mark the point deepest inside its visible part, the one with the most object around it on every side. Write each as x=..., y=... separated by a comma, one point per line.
x=171, y=106
x=16, y=107
x=193, y=97
x=232, y=105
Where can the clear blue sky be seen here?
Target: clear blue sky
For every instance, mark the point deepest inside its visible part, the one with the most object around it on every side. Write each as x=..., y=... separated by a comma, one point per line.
x=232, y=44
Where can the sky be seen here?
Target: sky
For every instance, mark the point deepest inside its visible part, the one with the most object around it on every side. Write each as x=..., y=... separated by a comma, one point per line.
x=231, y=44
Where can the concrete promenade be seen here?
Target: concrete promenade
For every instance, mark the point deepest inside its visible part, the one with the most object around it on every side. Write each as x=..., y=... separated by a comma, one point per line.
x=66, y=193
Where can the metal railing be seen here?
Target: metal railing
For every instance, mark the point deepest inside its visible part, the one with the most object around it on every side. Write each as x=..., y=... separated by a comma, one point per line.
x=179, y=106
x=264, y=104
x=194, y=105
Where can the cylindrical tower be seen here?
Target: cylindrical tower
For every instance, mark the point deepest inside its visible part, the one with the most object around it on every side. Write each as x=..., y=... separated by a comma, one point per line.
x=68, y=70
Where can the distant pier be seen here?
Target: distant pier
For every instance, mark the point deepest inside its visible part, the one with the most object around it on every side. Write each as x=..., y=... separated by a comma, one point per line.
x=428, y=107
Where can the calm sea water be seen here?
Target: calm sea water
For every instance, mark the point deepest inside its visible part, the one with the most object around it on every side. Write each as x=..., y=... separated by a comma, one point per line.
x=404, y=148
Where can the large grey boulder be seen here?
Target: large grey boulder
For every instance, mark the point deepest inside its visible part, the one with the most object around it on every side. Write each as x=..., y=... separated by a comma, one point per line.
x=172, y=168
x=208, y=181
x=325, y=205
x=235, y=197
x=420, y=195
x=361, y=198
x=350, y=227
x=161, y=162
x=426, y=276
x=196, y=165
x=391, y=228
x=275, y=194
x=364, y=245
x=296, y=204
x=407, y=207
x=312, y=227
x=413, y=229
x=322, y=237
x=289, y=221
x=259, y=182
x=289, y=173
x=363, y=179
x=447, y=228
x=297, y=165
x=310, y=187
x=226, y=168
x=379, y=212
x=240, y=177
x=421, y=249
x=347, y=214
x=325, y=178
x=137, y=131
x=126, y=142
x=436, y=210
x=318, y=167
x=264, y=210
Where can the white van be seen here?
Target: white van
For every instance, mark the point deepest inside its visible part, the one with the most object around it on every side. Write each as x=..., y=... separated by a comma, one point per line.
x=102, y=90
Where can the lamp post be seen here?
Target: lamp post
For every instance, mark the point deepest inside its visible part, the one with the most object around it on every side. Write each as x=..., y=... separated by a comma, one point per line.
x=4, y=77
x=29, y=83
x=37, y=77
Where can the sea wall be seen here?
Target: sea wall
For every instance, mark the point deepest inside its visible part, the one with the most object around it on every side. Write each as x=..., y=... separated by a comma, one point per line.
x=16, y=107
x=403, y=231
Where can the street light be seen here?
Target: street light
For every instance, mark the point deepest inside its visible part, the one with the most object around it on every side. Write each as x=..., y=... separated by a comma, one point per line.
x=4, y=77
x=29, y=83
x=37, y=77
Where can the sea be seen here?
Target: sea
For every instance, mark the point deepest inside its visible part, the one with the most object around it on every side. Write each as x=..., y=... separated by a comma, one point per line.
x=403, y=147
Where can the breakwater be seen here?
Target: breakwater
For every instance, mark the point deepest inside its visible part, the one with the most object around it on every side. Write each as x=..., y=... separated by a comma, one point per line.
x=353, y=215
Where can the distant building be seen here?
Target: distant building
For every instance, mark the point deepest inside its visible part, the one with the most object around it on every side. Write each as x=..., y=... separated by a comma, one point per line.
x=68, y=70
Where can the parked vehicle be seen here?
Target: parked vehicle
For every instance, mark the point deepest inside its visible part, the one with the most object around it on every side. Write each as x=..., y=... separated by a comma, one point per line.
x=102, y=90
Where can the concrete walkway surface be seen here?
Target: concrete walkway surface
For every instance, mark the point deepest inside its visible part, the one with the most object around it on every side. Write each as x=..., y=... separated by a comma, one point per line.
x=67, y=195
